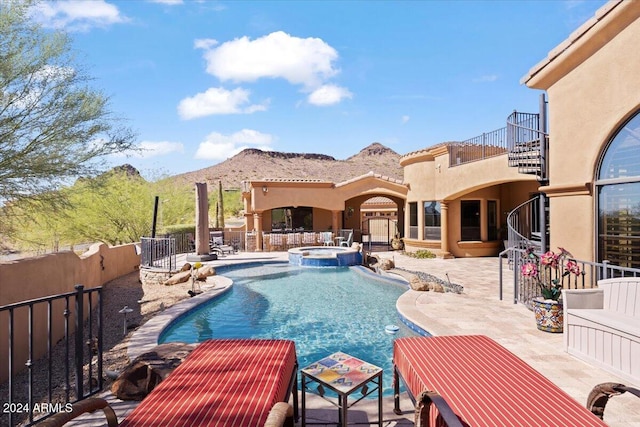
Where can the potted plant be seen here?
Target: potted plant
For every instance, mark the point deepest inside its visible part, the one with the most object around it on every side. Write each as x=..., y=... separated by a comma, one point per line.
x=548, y=271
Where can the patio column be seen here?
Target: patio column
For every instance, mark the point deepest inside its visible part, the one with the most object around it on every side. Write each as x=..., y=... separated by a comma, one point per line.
x=335, y=216
x=257, y=225
x=444, y=230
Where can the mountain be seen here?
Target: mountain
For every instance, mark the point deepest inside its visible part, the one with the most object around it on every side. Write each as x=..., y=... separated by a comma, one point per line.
x=254, y=164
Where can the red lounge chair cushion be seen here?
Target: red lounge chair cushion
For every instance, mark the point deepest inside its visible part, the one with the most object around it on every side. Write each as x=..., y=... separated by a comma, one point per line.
x=485, y=384
x=226, y=382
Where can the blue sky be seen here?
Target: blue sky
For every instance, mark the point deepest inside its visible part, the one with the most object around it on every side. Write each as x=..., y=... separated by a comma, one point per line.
x=201, y=80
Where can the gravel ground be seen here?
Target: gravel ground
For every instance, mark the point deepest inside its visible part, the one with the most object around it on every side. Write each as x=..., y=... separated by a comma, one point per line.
x=127, y=290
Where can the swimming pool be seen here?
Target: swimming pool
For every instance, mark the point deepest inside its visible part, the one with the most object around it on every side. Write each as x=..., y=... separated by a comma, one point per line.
x=322, y=310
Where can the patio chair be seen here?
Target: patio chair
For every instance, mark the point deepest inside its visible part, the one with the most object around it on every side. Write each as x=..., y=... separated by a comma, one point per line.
x=276, y=242
x=309, y=239
x=223, y=382
x=600, y=394
x=348, y=241
x=294, y=240
x=326, y=238
x=473, y=381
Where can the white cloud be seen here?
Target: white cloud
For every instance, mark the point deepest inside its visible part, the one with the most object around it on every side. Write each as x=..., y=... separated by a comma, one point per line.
x=405, y=119
x=153, y=149
x=328, y=95
x=486, y=78
x=218, y=100
x=205, y=44
x=307, y=62
x=167, y=2
x=220, y=147
x=77, y=15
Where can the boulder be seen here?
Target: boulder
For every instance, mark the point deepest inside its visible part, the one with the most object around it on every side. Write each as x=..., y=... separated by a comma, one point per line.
x=436, y=287
x=418, y=284
x=203, y=272
x=180, y=277
x=147, y=370
x=386, y=264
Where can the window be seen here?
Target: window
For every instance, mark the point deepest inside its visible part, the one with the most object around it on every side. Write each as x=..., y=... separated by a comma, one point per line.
x=618, y=189
x=432, y=220
x=470, y=219
x=291, y=218
x=413, y=220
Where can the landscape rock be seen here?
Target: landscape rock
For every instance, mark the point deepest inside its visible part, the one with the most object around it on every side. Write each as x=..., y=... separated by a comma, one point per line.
x=180, y=277
x=386, y=264
x=418, y=284
x=147, y=370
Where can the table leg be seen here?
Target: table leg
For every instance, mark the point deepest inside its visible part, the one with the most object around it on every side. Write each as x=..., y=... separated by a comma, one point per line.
x=380, y=400
x=304, y=392
x=343, y=410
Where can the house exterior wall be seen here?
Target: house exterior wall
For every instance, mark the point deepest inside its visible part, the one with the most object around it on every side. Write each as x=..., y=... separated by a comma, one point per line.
x=592, y=88
x=431, y=179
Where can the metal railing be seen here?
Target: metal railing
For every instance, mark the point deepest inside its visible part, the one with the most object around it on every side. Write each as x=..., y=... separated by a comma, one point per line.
x=478, y=148
x=523, y=226
x=158, y=252
x=526, y=288
x=527, y=143
x=81, y=344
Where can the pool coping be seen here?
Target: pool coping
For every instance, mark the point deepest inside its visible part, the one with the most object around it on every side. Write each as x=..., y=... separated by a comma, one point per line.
x=145, y=338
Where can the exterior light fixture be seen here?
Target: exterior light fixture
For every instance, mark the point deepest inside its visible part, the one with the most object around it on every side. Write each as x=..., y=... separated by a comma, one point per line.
x=265, y=190
x=124, y=312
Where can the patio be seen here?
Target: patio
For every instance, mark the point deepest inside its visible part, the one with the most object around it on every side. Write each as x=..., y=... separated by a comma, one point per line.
x=477, y=311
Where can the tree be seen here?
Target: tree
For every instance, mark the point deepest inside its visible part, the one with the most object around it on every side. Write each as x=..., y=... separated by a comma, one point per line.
x=53, y=126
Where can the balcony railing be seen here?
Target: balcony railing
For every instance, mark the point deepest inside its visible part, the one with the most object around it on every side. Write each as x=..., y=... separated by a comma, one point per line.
x=481, y=147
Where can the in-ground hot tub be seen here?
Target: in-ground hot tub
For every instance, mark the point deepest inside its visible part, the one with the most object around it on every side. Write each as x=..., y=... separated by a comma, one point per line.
x=324, y=256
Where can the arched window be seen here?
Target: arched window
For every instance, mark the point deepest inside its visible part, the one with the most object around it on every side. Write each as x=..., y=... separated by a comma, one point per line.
x=618, y=189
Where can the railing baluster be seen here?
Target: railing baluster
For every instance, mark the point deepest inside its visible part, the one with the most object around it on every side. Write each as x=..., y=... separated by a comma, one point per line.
x=89, y=340
x=30, y=363
x=10, y=363
x=49, y=347
x=67, y=385
x=78, y=347
x=100, y=307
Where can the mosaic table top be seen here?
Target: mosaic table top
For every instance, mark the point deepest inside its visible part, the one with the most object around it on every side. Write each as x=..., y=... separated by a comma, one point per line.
x=342, y=372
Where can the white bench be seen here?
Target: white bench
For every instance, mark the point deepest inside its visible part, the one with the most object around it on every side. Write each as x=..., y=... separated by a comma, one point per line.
x=602, y=326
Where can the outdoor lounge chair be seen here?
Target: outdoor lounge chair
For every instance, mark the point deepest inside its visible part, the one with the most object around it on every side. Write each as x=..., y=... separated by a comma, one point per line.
x=473, y=381
x=348, y=241
x=223, y=382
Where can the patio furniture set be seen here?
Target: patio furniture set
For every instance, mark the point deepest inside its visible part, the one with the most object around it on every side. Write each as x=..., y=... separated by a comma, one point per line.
x=462, y=380
x=280, y=241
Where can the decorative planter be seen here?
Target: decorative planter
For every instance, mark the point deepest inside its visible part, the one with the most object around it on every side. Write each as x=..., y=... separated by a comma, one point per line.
x=549, y=314
x=397, y=244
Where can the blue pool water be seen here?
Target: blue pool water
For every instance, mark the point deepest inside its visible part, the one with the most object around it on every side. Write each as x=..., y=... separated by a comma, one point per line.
x=322, y=310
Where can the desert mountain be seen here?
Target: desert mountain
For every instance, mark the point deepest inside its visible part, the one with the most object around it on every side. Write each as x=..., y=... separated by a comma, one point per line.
x=257, y=164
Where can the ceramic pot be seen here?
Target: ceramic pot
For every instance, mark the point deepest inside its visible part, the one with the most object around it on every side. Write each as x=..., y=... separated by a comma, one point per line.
x=549, y=314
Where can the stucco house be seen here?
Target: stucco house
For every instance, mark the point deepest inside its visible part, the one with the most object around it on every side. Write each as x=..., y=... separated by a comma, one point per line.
x=567, y=175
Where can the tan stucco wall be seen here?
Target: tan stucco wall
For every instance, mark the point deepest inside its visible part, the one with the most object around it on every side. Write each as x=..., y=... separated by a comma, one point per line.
x=325, y=198
x=592, y=89
x=52, y=274
x=430, y=178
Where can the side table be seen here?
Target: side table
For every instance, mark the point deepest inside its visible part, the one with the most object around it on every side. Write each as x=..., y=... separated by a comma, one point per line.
x=344, y=375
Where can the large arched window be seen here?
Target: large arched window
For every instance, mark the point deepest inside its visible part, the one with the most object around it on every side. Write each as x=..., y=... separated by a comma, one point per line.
x=618, y=189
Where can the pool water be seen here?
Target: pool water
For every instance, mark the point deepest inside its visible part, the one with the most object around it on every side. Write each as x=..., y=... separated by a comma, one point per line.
x=322, y=310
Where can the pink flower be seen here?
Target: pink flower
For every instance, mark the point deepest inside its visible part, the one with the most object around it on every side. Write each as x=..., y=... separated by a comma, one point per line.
x=550, y=259
x=529, y=269
x=573, y=267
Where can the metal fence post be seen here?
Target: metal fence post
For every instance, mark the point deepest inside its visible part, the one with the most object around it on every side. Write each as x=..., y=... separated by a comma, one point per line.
x=605, y=269
x=79, y=350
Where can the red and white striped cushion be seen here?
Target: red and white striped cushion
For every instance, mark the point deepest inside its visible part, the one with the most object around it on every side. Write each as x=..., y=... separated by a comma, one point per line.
x=485, y=384
x=225, y=382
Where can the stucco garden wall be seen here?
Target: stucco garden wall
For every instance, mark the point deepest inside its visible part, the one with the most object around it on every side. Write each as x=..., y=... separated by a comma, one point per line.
x=52, y=274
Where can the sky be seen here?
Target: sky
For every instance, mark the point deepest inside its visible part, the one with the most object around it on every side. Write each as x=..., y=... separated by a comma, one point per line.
x=199, y=81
